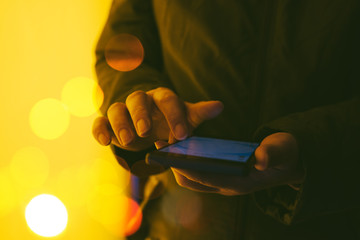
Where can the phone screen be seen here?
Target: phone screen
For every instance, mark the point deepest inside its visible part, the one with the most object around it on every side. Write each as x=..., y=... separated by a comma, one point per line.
x=213, y=148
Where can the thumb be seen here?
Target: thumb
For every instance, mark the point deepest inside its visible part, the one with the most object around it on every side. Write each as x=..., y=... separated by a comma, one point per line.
x=278, y=150
x=202, y=111
x=266, y=156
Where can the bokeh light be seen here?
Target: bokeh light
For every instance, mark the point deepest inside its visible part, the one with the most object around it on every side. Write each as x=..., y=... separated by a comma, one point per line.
x=133, y=217
x=83, y=96
x=72, y=187
x=124, y=52
x=7, y=194
x=119, y=214
x=74, y=184
x=29, y=167
x=49, y=118
x=46, y=215
x=103, y=171
x=39, y=57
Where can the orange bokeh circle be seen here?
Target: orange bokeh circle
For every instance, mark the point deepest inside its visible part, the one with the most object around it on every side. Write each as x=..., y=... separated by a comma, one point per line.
x=133, y=217
x=124, y=52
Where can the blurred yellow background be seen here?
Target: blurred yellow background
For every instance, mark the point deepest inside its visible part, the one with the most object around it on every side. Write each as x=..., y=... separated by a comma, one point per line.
x=48, y=104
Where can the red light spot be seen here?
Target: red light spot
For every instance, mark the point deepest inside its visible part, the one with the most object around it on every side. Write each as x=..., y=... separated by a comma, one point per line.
x=133, y=218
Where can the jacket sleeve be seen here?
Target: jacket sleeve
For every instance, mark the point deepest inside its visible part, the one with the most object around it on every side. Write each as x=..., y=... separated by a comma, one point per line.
x=133, y=17
x=328, y=139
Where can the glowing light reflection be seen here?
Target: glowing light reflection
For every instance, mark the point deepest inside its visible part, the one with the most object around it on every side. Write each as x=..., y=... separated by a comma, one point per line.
x=83, y=96
x=49, y=118
x=46, y=215
x=29, y=167
x=119, y=214
x=72, y=188
x=7, y=193
x=124, y=52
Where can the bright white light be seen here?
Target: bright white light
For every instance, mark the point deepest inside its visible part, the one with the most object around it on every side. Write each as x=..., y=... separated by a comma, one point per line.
x=46, y=215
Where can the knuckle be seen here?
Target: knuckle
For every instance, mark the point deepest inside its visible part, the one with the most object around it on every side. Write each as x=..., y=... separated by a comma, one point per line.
x=134, y=95
x=161, y=89
x=160, y=92
x=116, y=107
x=96, y=124
x=167, y=97
x=139, y=112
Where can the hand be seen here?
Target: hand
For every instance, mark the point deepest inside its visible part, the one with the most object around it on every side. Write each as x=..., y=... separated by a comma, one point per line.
x=147, y=117
x=276, y=163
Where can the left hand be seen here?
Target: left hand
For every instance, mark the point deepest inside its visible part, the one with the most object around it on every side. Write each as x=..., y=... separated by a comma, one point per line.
x=276, y=163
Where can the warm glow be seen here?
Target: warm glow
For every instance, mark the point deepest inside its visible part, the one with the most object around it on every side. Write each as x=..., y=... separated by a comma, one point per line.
x=46, y=215
x=7, y=193
x=72, y=188
x=49, y=118
x=82, y=95
x=74, y=184
x=103, y=171
x=133, y=217
x=29, y=167
x=124, y=52
x=45, y=45
x=119, y=214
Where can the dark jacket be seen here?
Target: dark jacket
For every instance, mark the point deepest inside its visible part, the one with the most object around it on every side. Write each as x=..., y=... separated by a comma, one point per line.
x=278, y=65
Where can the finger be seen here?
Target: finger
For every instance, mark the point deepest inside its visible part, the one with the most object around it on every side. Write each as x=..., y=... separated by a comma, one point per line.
x=174, y=111
x=192, y=185
x=121, y=124
x=206, y=179
x=171, y=139
x=138, y=105
x=261, y=158
x=276, y=150
x=160, y=144
x=224, y=184
x=201, y=111
x=269, y=155
x=101, y=131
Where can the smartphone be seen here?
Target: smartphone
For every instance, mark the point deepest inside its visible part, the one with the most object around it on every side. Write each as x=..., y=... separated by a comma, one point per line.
x=206, y=155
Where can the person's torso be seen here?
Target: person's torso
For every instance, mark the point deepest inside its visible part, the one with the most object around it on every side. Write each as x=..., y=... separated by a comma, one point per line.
x=264, y=60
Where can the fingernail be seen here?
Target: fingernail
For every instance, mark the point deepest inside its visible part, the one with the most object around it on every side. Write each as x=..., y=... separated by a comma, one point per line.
x=160, y=144
x=142, y=126
x=125, y=137
x=180, y=132
x=103, y=139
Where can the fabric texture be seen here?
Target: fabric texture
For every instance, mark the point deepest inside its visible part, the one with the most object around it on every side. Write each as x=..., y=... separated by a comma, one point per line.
x=278, y=66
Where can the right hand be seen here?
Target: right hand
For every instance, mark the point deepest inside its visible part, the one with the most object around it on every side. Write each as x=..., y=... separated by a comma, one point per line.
x=147, y=117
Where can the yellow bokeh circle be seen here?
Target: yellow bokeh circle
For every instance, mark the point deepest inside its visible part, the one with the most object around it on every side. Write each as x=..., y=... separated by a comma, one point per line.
x=49, y=118
x=124, y=52
x=29, y=167
x=82, y=95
